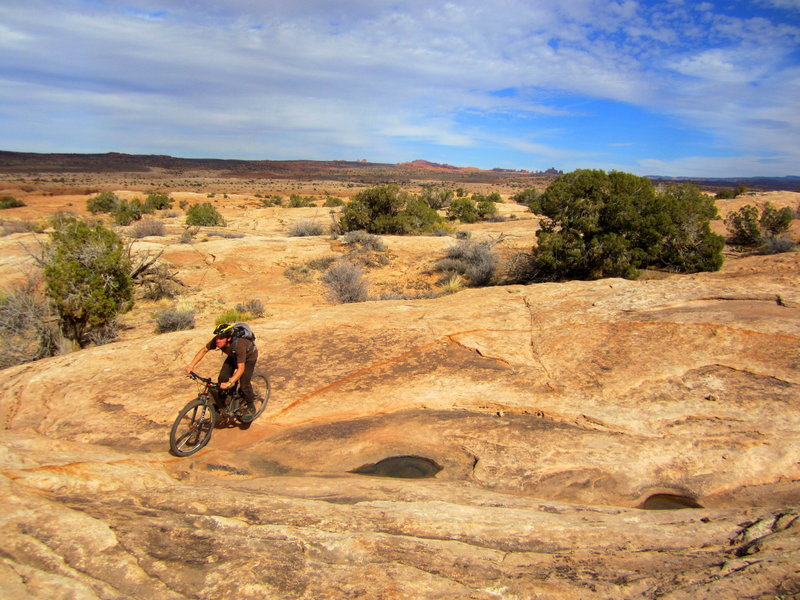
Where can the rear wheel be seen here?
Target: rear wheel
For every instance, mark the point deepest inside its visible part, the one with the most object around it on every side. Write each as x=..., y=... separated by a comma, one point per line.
x=261, y=390
x=192, y=429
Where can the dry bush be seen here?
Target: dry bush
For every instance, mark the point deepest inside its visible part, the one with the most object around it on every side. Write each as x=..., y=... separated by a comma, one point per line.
x=172, y=319
x=157, y=280
x=28, y=329
x=17, y=226
x=474, y=260
x=147, y=227
x=305, y=228
x=362, y=239
x=345, y=282
x=253, y=307
x=777, y=245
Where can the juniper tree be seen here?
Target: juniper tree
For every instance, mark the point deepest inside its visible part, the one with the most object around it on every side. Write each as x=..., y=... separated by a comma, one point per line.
x=87, y=276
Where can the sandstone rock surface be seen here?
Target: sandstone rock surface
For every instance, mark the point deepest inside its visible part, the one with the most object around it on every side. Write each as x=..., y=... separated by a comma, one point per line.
x=552, y=415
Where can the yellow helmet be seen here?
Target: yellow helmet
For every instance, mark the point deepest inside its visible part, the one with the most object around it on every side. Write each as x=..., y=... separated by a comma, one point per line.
x=224, y=330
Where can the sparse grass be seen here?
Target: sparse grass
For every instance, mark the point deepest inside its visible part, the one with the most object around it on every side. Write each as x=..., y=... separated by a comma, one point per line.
x=453, y=284
x=232, y=315
x=298, y=273
x=228, y=235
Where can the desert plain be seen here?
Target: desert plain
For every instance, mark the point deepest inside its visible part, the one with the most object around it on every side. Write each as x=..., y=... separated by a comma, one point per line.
x=590, y=439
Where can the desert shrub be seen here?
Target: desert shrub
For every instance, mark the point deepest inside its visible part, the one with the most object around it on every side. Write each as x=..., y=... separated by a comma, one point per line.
x=232, y=315
x=463, y=209
x=297, y=201
x=27, y=330
x=743, y=226
x=365, y=249
x=305, y=228
x=476, y=261
x=749, y=228
x=187, y=235
x=777, y=245
x=601, y=224
x=437, y=197
x=253, y=307
x=375, y=210
x=731, y=193
x=268, y=201
x=528, y=197
x=126, y=212
x=332, y=202
x=157, y=201
x=104, y=202
x=774, y=221
x=345, y=282
x=171, y=319
x=321, y=263
x=147, y=227
x=387, y=210
x=204, y=214
x=486, y=209
x=10, y=202
x=87, y=276
x=419, y=217
x=682, y=215
x=364, y=240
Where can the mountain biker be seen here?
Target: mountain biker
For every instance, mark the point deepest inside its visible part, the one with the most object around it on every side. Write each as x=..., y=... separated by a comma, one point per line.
x=239, y=365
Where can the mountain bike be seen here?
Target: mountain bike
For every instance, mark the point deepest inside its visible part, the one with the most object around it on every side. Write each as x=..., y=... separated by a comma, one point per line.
x=215, y=407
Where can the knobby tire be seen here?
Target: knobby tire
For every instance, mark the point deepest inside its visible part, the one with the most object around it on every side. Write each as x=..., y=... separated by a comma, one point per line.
x=261, y=388
x=192, y=428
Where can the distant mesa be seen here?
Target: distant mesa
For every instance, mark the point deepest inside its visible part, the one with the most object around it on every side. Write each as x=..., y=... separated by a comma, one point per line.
x=426, y=164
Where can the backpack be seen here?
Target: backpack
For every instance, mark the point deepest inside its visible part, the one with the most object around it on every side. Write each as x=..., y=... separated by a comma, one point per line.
x=242, y=330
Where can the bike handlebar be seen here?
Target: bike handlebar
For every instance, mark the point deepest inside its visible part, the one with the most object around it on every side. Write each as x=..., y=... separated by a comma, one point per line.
x=206, y=380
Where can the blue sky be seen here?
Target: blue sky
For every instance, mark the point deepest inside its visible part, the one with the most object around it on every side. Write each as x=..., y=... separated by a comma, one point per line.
x=666, y=87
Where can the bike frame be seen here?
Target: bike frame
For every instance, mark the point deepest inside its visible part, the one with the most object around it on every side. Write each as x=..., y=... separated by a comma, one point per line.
x=221, y=398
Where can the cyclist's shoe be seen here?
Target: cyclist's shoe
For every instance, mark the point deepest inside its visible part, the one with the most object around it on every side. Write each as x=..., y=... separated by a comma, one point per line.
x=249, y=412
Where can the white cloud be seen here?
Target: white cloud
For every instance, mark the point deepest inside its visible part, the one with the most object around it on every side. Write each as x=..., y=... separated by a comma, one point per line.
x=361, y=73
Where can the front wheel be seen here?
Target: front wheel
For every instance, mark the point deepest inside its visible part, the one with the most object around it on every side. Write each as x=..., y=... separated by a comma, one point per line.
x=192, y=428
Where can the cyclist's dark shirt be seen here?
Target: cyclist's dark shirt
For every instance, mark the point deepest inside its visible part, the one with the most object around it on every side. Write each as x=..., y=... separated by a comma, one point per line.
x=246, y=350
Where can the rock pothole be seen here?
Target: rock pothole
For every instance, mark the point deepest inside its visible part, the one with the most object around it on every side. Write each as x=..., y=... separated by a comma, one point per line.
x=669, y=502
x=401, y=467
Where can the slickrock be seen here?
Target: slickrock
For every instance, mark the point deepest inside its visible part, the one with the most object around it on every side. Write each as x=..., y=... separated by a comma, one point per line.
x=548, y=416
